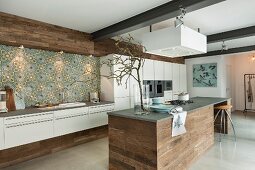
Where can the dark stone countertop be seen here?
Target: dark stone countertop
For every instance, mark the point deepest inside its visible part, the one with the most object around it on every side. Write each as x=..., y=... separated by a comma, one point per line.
x=199, y=103
x=32, y=110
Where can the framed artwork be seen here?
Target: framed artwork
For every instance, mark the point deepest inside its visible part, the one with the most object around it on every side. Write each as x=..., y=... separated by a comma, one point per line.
x=205, y=75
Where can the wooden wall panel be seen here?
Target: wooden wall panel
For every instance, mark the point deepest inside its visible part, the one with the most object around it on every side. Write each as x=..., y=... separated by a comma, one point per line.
x=132, y=144
x=136, y=144
x=179, y=152
x=26, y=152
x=16, y=31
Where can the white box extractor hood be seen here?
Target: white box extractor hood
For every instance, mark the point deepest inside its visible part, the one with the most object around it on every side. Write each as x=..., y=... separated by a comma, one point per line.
x=175, y=42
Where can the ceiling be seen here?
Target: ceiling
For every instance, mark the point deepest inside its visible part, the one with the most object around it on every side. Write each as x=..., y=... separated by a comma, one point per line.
x=83, y=15
x=221, y=17
x=92, y=15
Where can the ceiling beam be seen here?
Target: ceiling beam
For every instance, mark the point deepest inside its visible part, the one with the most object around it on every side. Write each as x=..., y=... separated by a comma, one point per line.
x=152, y=16
x=230, y=35
x=220, y=52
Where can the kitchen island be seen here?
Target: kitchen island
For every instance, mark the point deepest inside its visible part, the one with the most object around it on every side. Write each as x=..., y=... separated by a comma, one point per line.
x=146, y=142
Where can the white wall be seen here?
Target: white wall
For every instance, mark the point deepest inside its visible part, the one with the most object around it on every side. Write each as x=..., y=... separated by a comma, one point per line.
x=242, y=65
x=220, y=90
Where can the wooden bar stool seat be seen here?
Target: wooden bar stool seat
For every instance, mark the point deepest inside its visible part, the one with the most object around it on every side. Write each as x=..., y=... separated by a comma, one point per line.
x=223, y=111
x=223, y=107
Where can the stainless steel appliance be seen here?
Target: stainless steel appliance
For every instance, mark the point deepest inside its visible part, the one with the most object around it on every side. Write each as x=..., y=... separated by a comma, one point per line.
x=159, y=88
x=168, y=85
x=150, y=83
x=3, y=100
x=94, y=97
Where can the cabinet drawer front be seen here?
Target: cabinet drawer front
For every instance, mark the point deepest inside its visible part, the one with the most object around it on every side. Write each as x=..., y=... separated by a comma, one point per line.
x=109, y=107
x=28, y=133
x=70, y=124
x=101, y=108
x=93, y=109
x=70, y=112
x=95, y=119
x=28, y=118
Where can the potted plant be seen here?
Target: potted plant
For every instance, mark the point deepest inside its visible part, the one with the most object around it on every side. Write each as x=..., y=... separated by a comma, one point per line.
x=130, y=67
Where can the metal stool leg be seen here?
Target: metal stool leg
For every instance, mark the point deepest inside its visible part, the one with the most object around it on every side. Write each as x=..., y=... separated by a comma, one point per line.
x=221, y=123
x=216, y=115
x=224, y=125
x=231, y=123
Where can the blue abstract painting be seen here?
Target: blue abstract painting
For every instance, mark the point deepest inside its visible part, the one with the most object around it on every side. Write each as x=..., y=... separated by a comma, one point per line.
x=205, y=75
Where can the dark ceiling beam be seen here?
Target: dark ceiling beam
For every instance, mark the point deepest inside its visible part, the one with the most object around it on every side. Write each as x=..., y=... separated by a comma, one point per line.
x=219, y=52
x=230, y=35
x=155, y=15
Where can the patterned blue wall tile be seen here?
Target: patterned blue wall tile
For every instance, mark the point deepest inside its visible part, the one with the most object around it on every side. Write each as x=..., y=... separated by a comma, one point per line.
x=41, y=76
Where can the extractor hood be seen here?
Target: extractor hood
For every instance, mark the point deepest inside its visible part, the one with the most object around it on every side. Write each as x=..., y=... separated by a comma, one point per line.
x=175, y=42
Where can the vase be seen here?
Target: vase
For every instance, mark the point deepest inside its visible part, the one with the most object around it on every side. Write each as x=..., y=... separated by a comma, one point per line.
x=141, y=99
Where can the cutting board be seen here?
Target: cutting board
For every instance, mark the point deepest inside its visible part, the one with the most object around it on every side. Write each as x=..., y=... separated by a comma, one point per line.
x=10, y=103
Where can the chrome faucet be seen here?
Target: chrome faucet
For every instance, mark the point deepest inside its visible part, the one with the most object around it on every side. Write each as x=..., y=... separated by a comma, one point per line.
x=63, y=94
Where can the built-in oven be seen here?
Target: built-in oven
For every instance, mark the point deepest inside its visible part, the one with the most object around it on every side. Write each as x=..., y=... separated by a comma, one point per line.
x=151, y=87
x=159, y=88
x=168, y=85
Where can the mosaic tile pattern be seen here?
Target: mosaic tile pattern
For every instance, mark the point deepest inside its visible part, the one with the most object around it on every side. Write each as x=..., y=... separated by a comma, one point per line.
x=41, y=76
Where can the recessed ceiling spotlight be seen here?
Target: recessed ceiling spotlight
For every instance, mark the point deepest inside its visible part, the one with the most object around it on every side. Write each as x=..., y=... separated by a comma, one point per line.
x=253, y=58
x=21, y=47
x=178, y=21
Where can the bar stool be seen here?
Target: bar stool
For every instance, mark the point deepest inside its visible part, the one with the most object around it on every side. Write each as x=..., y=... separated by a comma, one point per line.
x=224, y=111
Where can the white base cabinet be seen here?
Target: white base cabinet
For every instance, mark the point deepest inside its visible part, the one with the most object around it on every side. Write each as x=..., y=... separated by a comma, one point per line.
x=98, y=115
x=70, y=121
x=1, y=133
x=21, y=130
x=24, y=129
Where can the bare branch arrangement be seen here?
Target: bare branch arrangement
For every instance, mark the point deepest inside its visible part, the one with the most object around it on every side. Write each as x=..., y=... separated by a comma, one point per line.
x=129, y=65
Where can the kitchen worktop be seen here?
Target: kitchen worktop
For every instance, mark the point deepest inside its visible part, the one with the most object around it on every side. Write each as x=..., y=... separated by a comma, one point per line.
x=198, y=103
x=32, y=110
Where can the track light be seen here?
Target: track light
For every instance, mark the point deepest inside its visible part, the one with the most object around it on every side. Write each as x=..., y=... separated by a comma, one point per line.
x=178, y=21
x=224, y=47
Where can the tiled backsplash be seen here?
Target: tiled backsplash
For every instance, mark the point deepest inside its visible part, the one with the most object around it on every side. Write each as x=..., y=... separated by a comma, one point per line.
x=41, y=76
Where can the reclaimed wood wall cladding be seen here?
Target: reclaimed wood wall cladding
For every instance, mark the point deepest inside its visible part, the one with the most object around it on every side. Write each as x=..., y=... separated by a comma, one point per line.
x=132, y=144
x=179, y=152
x=16, y=31
x=135, y=144
x=26, y=152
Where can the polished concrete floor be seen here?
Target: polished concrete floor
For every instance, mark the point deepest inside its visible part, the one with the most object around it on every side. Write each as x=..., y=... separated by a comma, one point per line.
x=226, y=155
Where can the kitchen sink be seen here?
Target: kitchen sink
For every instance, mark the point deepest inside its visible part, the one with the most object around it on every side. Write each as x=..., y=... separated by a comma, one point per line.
x=64, y=105
x=74, y=104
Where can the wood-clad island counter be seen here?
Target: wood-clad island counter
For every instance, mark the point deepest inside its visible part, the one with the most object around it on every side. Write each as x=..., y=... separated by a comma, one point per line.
x=145, y=142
